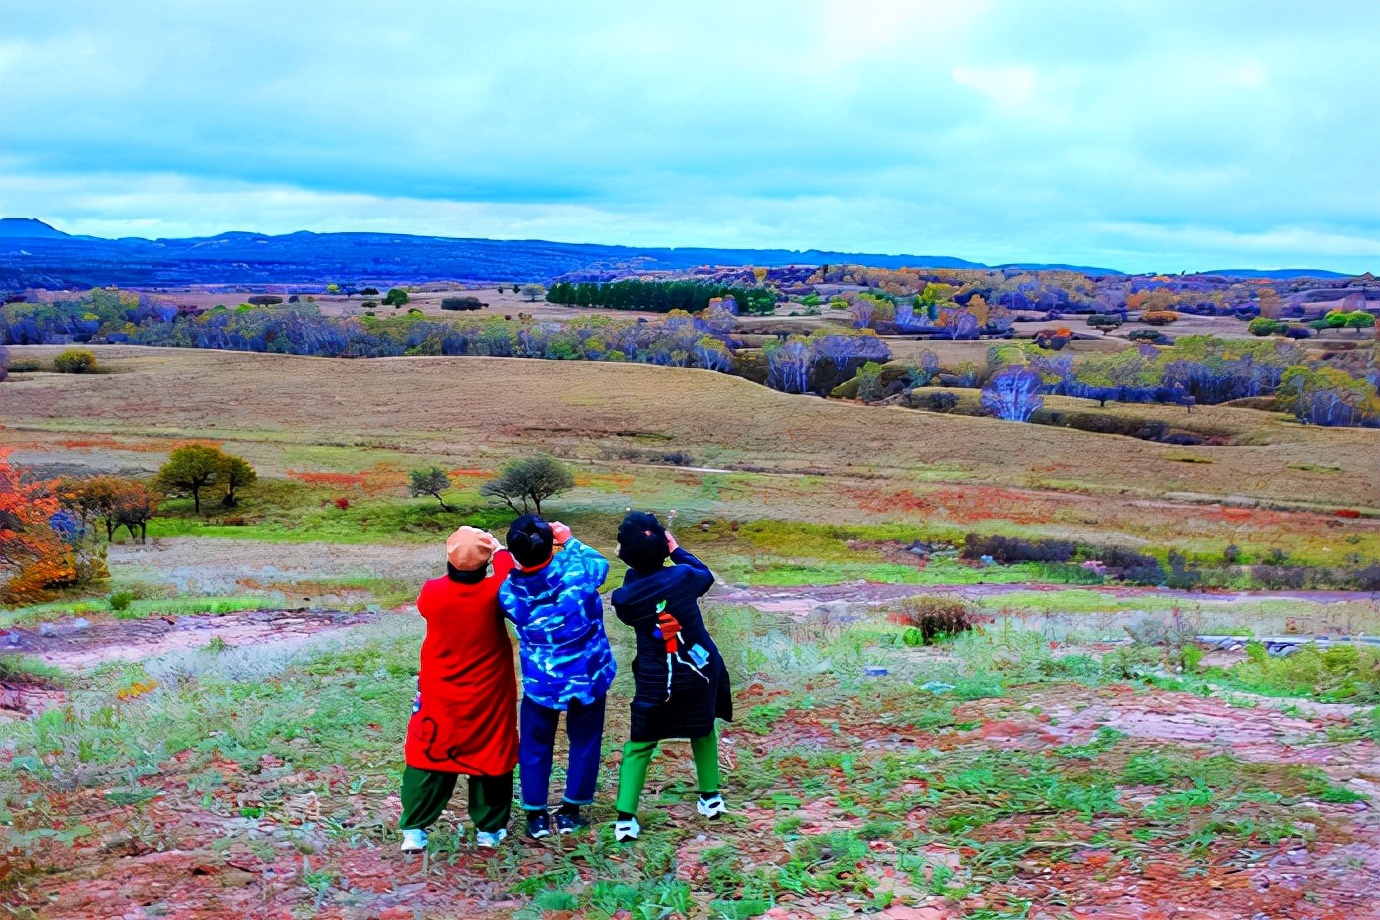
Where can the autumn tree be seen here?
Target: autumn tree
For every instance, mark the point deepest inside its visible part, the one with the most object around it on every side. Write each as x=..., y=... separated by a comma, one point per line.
x=191, y=469
x=114, y=501
x=430, y=482
x=1271, y=304
x=134, y=506
x=529, y=480
x=534, y=292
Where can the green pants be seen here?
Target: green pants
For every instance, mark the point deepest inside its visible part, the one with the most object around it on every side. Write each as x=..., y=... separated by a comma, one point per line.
x=425, y=794
x=638, y=754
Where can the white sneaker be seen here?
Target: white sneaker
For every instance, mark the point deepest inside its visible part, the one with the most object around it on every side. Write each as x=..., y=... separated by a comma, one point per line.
x=414, y=840
x=489, y=840
x=711, y=807
x=624, y=831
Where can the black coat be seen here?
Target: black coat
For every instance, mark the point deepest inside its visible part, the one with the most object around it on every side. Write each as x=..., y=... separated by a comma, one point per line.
x=695, y=701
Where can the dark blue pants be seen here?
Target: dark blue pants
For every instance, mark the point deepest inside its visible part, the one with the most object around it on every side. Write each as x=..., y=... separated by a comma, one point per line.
x=584, y=727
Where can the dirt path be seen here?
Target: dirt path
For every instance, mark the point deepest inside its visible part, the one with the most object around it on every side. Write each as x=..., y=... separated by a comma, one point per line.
x=71, y=645
x=214, y=565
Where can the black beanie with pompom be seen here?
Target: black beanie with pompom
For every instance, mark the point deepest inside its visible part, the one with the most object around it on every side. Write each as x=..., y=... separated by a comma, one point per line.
x=530, y=541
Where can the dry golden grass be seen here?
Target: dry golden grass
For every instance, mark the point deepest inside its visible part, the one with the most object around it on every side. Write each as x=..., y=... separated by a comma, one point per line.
x=468, y=407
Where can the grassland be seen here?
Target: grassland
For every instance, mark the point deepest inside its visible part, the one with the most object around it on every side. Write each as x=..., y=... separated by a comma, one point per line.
x=1031, y=769
x=477, y=409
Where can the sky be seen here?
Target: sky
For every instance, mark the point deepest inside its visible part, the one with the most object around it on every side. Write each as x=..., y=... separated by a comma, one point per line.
x=1141, y=136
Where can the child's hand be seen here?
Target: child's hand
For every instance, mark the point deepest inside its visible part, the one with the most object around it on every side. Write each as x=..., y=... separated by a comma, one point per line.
x=671, y=544
x=559, y=532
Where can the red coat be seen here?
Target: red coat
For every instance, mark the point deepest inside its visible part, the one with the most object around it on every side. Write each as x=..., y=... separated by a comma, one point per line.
x=466, y=719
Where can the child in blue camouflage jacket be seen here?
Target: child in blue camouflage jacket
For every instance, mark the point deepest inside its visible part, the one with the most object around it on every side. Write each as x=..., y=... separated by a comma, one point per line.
x=553, y=602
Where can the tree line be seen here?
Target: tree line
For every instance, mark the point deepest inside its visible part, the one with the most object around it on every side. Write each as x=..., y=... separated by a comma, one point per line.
x=660, y=296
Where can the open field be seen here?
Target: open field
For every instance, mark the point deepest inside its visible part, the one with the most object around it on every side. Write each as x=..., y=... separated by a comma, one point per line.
x=480, y=408
x=230, y=742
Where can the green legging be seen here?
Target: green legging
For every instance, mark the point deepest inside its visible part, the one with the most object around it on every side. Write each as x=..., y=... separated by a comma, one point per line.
x=637, y=755
x=425, y=794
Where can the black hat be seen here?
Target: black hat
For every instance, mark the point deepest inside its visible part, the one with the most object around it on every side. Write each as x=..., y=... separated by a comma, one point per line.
x=530, y=541
x=642, y=541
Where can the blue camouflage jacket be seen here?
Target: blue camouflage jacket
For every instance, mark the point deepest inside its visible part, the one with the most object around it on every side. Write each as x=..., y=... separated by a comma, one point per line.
x=559, y=619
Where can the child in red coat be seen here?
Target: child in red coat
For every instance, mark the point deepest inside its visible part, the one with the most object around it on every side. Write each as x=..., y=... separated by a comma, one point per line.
x=464, y=720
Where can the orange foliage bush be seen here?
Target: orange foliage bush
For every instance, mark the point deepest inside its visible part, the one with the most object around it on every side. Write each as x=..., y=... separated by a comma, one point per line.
x=31, y=555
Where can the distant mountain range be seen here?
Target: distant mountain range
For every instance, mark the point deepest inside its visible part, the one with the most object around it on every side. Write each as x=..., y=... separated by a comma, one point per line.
x=34, y=254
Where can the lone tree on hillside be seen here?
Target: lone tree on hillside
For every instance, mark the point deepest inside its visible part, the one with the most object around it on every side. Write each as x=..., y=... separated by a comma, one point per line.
x=190, y=469
x=430, y=482
x=534, y=292
x=530, y=480
x=233, y=473
x=395, y=297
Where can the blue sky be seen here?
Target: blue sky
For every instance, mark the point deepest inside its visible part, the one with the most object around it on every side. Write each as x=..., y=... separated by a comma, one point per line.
x=1142, y=136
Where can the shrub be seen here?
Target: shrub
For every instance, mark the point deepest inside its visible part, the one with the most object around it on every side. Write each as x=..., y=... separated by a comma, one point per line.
x=1231, y=554
x=1104, y=320
x=396, y=297
x=1014, y=549
x=342, y=503
x=934, y=616
x=1262, y=326
x=1159, y=317
x=1298, y=332
x=75, y=361
x=121, y=600
x=265, y=300
x=4, y=362
x=462, y=303
x=870, y=382
x=1053, y=339
x=941, y=401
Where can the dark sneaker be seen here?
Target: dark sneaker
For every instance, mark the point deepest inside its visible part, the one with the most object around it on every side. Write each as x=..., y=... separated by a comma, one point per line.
x=567, y=823
x=538, y=824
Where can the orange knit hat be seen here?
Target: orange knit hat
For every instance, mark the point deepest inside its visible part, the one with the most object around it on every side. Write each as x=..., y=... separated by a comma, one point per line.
x=470, y=548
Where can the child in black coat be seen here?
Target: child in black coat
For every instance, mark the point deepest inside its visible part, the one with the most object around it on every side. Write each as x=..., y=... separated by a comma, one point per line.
x=681, y=683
